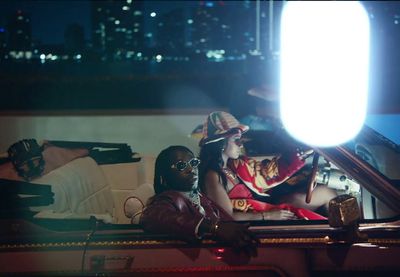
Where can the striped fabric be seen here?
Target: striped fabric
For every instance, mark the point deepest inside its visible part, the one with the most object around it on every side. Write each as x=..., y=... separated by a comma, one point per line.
x=220, y=125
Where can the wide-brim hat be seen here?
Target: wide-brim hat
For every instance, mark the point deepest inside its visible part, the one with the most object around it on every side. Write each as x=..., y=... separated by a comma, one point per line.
x=265, y=93
x=220, y=125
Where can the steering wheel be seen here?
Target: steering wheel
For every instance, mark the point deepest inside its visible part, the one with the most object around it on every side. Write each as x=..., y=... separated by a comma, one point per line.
x=312, y=181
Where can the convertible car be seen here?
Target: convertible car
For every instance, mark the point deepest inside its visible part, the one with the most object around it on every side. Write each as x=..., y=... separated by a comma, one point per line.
x=361, y=236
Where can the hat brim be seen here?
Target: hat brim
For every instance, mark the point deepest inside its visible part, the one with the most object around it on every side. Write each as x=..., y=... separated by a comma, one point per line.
x=240, y=129
x=266, y=94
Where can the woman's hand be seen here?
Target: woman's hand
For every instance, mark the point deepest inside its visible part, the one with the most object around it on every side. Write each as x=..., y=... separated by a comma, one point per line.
x=279, y=215
x=238, y=235
x=304, y=154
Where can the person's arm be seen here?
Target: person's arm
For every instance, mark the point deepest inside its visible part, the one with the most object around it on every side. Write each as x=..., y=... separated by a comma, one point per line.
x=217, y=193
x=279, y=169
x=237, y=234
x=163, y=215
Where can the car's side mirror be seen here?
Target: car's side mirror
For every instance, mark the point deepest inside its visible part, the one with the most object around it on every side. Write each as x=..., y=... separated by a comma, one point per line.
x=344, y=213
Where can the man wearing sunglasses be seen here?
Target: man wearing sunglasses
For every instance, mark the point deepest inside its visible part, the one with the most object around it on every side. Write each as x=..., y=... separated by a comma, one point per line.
x=179, y=209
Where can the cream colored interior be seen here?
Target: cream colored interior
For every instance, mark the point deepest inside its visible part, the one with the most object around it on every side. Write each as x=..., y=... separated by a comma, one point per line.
x=147, y=134
x=129, y=181
x=82, y=188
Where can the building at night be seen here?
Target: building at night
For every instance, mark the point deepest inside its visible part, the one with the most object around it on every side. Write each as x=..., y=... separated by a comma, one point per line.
x=3, y=42
x=170, y=32
x=19, y=32
x=117, y=28
x=213, y=30
x=74, y=39
x=222, y=28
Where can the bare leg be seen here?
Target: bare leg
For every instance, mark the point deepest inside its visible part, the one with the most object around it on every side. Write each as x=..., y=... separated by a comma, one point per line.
x=320, y=198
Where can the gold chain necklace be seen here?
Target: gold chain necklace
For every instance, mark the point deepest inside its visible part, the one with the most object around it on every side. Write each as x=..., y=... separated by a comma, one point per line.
x=229, y=173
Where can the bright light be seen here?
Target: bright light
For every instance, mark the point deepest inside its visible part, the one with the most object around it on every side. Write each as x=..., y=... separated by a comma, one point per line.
x=42, y=56
x=215, y=54
x=159, y=58
x=190, y=21
x=153, y=14
x=28, y=55
x=324, y=70
x=117, y=22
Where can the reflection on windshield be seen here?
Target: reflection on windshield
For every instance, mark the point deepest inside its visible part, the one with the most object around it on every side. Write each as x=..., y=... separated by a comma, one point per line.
x=378, y=144
x=386, y=124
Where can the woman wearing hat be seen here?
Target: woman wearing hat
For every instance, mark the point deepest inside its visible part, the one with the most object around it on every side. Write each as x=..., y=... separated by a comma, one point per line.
x=241, y=185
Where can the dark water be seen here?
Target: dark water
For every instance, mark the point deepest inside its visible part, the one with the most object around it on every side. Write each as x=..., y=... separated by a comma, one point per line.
x=127, y=85
x=165, y=85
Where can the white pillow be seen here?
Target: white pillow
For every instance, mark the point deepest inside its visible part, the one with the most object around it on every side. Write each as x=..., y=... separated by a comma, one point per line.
x=79, y=187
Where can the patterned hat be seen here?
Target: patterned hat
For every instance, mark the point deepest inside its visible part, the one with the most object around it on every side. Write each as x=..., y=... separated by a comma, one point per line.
x=220, y=125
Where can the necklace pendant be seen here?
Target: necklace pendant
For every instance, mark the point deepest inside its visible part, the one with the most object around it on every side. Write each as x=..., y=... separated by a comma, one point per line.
x=229, y=173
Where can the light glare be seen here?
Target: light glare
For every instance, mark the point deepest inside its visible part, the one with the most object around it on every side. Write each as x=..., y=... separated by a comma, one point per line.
x=324, y=70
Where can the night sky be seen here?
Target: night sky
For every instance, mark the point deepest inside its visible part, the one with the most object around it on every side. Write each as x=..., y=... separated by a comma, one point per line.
x=50, y=18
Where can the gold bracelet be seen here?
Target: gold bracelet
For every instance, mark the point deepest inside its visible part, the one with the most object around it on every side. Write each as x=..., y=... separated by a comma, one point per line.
x=214, y=228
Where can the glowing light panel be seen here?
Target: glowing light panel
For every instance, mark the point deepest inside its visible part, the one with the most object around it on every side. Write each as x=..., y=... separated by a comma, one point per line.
x=324, y=70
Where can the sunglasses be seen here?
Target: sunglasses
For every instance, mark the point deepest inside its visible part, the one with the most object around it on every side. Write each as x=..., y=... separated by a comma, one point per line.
x=181, y=165
x=238, y=141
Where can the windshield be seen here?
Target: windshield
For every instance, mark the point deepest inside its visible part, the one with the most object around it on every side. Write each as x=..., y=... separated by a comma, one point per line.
x=378, y=145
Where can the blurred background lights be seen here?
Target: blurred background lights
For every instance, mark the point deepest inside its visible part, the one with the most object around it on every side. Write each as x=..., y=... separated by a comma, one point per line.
x=324, y=70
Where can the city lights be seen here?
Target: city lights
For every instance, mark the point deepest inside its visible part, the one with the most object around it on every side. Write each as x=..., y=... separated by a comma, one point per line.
x=159, y=58
x=189, y=30
x=122, y=29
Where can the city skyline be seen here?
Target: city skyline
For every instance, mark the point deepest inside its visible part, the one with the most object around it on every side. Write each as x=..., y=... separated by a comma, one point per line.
x=213, y=30
x=48, y=25
x=115, y=30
